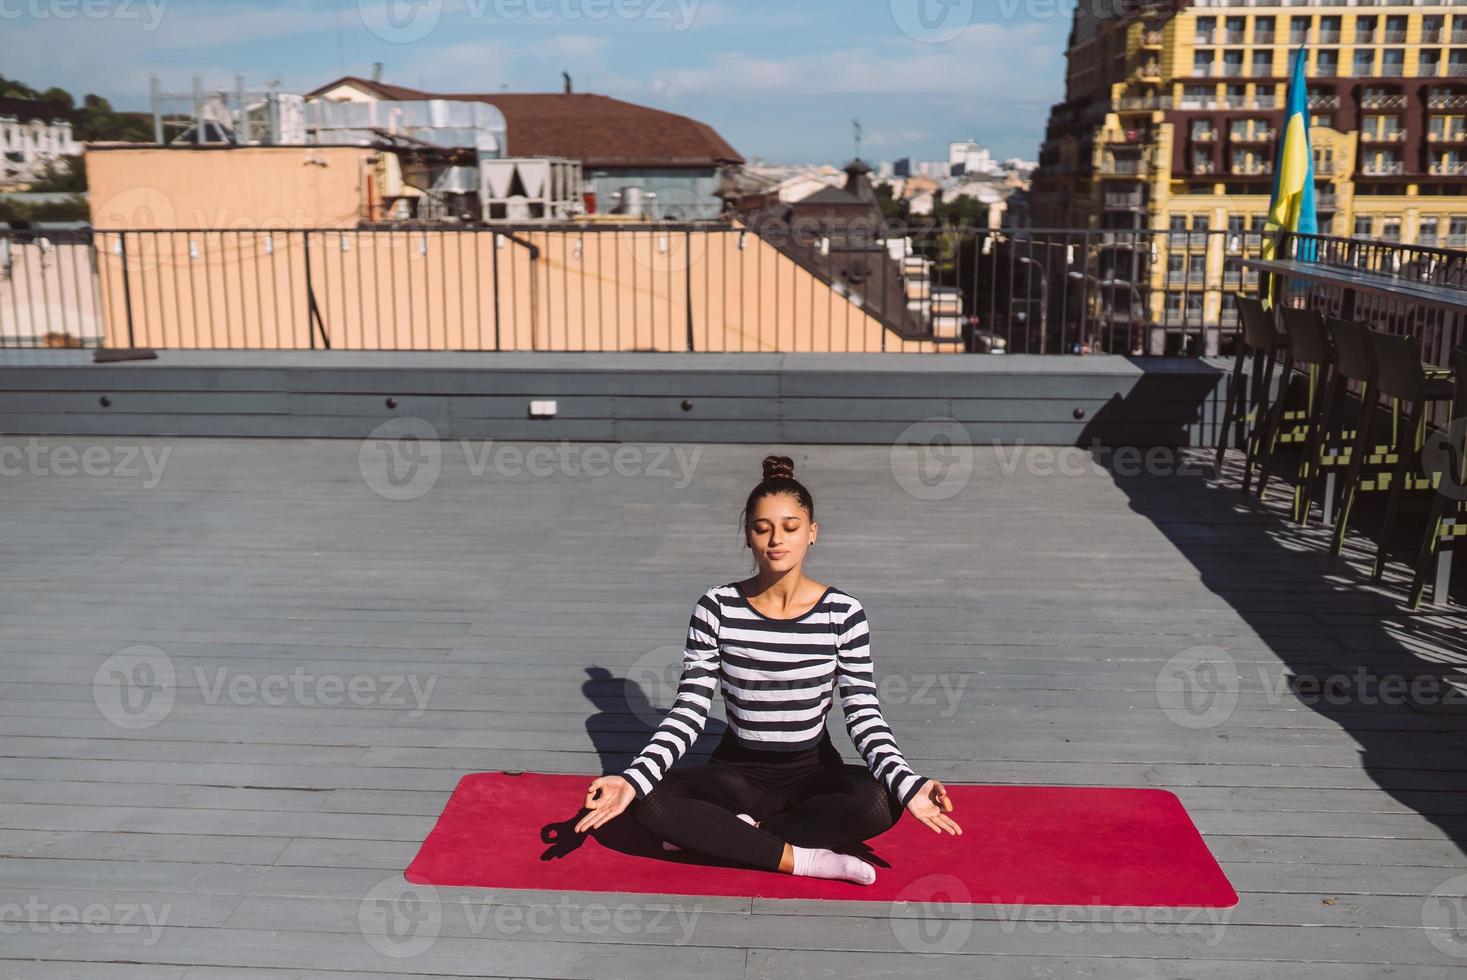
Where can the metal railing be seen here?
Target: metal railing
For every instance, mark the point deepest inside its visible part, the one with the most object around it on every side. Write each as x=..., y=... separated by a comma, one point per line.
x=711, y=286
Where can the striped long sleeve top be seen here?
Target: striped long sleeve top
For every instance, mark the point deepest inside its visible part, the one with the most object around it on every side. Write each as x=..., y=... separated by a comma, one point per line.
x=777, y=677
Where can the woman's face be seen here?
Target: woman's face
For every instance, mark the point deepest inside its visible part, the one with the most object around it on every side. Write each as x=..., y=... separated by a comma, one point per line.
x=780, y=532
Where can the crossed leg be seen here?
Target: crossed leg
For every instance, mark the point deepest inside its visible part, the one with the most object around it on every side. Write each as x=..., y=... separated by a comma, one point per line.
x=835, y=806
x=697, y=806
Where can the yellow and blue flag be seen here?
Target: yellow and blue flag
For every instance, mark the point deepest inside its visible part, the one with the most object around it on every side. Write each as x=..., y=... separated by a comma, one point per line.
x=1292, y=207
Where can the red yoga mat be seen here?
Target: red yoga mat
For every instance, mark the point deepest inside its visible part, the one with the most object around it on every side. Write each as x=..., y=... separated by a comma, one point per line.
x=1035, y=845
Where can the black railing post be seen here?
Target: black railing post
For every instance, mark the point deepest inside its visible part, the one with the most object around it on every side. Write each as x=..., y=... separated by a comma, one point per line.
x=126, y=287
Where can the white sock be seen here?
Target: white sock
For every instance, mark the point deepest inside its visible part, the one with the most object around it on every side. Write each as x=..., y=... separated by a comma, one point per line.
x=668, y=845
x=817, y=862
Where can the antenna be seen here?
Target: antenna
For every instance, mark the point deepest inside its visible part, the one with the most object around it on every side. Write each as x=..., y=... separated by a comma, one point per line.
x=857, y=130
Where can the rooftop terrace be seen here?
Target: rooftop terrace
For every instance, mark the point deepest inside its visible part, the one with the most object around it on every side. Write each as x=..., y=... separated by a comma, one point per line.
x=1039, y=605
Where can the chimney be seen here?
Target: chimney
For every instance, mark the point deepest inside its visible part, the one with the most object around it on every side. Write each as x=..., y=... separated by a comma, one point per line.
x=376, y=71
x=858, y=180
x=566, y=75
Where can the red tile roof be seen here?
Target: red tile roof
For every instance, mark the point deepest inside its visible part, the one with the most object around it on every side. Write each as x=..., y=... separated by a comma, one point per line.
x=596, y=129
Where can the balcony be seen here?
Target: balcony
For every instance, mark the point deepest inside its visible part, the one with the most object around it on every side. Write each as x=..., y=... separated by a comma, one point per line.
x=1147, y=73
x=1204, y=38
x=1325, y=102
x=1143, y=103
x=1329, y=37
x=1367, y=37
x=1383, y=102
x=1395, y=37
x=1152, y=39
x=1327, y=69
x=1125, y=202
x=1258, y=168
x=1256, y=136
x=1446, y=100
x=1432, y=36
x=1298, y=37
x=1232, y=70
x=1263, y=37
x=1383, y=136
x=1448, y=168
x=1456, y=69
x=1233, y=37
x=1392, y=70
x=1124, y=168
x=1383, y=168
x=1459, y=36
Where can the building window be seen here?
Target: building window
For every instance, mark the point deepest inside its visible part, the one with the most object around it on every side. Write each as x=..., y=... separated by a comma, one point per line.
x=1202, y=64
x=1390, y=230
x=1457, y=236
x=1364, y=63
x=1178, y=222
x=1199, y=97
x=1365, y=30
x=1206, y=28
x=1263, y=28
x=1457, y=62
x=1299, y=29
x=1327, y=62
x=1263, y=63
x=1426, y=234
x=1393, y=62
x=1431, y=29
x=1431, y=62
x=1459, y=29
x=1362, y=226
x=1233, y=63
x=1201, y=222
x=1395, y=29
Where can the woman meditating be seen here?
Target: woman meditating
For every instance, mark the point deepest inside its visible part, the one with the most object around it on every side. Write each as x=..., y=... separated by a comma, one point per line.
x=775, y=793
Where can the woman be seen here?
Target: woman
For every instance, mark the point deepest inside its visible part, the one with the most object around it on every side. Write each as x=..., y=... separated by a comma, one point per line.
x=775, y=793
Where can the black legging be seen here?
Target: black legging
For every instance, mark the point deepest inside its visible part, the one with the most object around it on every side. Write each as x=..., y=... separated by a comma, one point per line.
x=809, y=798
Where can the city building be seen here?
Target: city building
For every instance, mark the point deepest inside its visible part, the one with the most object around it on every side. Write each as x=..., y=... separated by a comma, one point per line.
x=632, y=156
x=1173, y=110
x=32, y=134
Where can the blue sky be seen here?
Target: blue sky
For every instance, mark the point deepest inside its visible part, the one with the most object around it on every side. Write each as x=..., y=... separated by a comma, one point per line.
x=780, y=81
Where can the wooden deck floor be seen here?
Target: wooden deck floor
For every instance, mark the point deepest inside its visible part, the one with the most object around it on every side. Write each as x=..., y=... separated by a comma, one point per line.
x=232, y=838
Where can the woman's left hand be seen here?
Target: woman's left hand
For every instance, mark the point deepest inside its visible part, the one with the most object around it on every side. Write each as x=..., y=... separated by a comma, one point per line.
x=931, y=806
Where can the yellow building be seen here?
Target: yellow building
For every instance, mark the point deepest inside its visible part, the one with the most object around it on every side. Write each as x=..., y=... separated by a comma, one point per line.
x=1171, y=117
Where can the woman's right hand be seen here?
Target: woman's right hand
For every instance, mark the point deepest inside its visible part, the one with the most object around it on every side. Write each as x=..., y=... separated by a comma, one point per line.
x=606, y=798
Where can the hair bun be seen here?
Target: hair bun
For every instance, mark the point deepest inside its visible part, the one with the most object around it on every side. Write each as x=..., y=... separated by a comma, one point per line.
x=778, y=466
